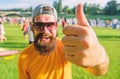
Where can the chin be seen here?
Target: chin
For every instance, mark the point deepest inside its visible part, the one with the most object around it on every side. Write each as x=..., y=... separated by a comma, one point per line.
x=45, y=46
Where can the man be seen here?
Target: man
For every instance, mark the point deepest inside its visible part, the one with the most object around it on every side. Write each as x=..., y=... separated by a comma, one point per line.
x=49, y=58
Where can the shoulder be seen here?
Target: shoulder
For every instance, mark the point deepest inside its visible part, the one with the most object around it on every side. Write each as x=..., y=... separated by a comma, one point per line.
x=59, y=41
x=27, y=51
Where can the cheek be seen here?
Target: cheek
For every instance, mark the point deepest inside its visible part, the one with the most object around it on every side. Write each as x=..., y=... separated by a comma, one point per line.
x=54, y=31
x=35, y=33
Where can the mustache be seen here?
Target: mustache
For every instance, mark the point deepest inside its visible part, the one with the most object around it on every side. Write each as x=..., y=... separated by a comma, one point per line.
x=41, y=35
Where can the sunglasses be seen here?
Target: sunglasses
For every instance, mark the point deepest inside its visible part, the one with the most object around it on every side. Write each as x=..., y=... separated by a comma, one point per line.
x=39, y=26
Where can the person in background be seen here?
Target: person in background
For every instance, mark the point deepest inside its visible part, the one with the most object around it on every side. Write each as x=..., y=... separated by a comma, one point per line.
x=2, y=32
x=25, y=29
x=63, y=22
x=114, y=23
x=30, y=34
x=50, y=57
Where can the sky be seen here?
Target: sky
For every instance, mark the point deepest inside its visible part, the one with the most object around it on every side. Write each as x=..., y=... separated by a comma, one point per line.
x=9, y=4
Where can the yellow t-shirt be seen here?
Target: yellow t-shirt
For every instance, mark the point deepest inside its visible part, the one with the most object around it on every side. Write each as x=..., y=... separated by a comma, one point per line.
x=32, y=65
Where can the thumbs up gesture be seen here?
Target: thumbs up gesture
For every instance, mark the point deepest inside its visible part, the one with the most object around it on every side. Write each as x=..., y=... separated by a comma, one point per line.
x=80, y=43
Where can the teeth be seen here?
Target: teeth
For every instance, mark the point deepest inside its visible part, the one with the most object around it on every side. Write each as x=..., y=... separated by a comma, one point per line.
x=45, y=35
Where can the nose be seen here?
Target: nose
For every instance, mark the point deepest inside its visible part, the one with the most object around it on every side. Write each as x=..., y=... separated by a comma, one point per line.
x=45, y=29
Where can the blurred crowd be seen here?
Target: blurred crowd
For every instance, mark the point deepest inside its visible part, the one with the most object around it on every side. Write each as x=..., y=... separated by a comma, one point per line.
x=22, y=22
x=25, y=22
x=114, y=23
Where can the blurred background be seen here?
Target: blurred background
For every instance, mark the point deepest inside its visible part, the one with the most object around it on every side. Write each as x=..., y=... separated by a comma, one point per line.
x=103, y=16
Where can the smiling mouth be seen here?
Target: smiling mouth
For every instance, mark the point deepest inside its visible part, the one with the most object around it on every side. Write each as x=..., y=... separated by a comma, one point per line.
x=44, y=39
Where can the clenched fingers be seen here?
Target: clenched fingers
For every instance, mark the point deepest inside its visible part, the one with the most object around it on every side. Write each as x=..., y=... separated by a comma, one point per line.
x=75, y=41
x=75, y=30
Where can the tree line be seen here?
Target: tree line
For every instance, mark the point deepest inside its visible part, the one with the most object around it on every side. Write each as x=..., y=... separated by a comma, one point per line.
x=111, y=8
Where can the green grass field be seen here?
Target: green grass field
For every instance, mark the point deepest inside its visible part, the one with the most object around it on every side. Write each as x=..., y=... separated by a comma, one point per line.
x=109, y=38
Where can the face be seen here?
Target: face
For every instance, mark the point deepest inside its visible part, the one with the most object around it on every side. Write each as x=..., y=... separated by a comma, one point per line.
x=44, y=29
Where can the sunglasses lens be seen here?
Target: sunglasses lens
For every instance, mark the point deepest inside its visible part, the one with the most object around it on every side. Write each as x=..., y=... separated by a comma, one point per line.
x=40, y=25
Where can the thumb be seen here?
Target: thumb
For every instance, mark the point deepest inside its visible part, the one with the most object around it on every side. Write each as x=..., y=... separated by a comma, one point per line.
x=81, y=16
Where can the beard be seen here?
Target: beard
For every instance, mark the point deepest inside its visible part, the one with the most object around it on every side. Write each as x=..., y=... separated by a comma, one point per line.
x=45, y=48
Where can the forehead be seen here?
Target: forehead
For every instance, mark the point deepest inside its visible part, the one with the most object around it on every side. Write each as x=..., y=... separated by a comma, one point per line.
x=44, y=18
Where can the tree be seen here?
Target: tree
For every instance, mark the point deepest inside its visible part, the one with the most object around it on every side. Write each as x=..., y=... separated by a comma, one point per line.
x=92, y=9
x=111, y=8
x=73, y=10
x=66, y=9
x=55, y=5
x=58, y=5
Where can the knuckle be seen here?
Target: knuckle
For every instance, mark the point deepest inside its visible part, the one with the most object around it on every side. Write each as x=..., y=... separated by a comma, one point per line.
x=66, y=30
x=85, y=43
x=84, y=54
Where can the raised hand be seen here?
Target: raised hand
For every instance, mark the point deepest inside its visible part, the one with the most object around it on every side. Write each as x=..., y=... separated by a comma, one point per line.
x=80, y=43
